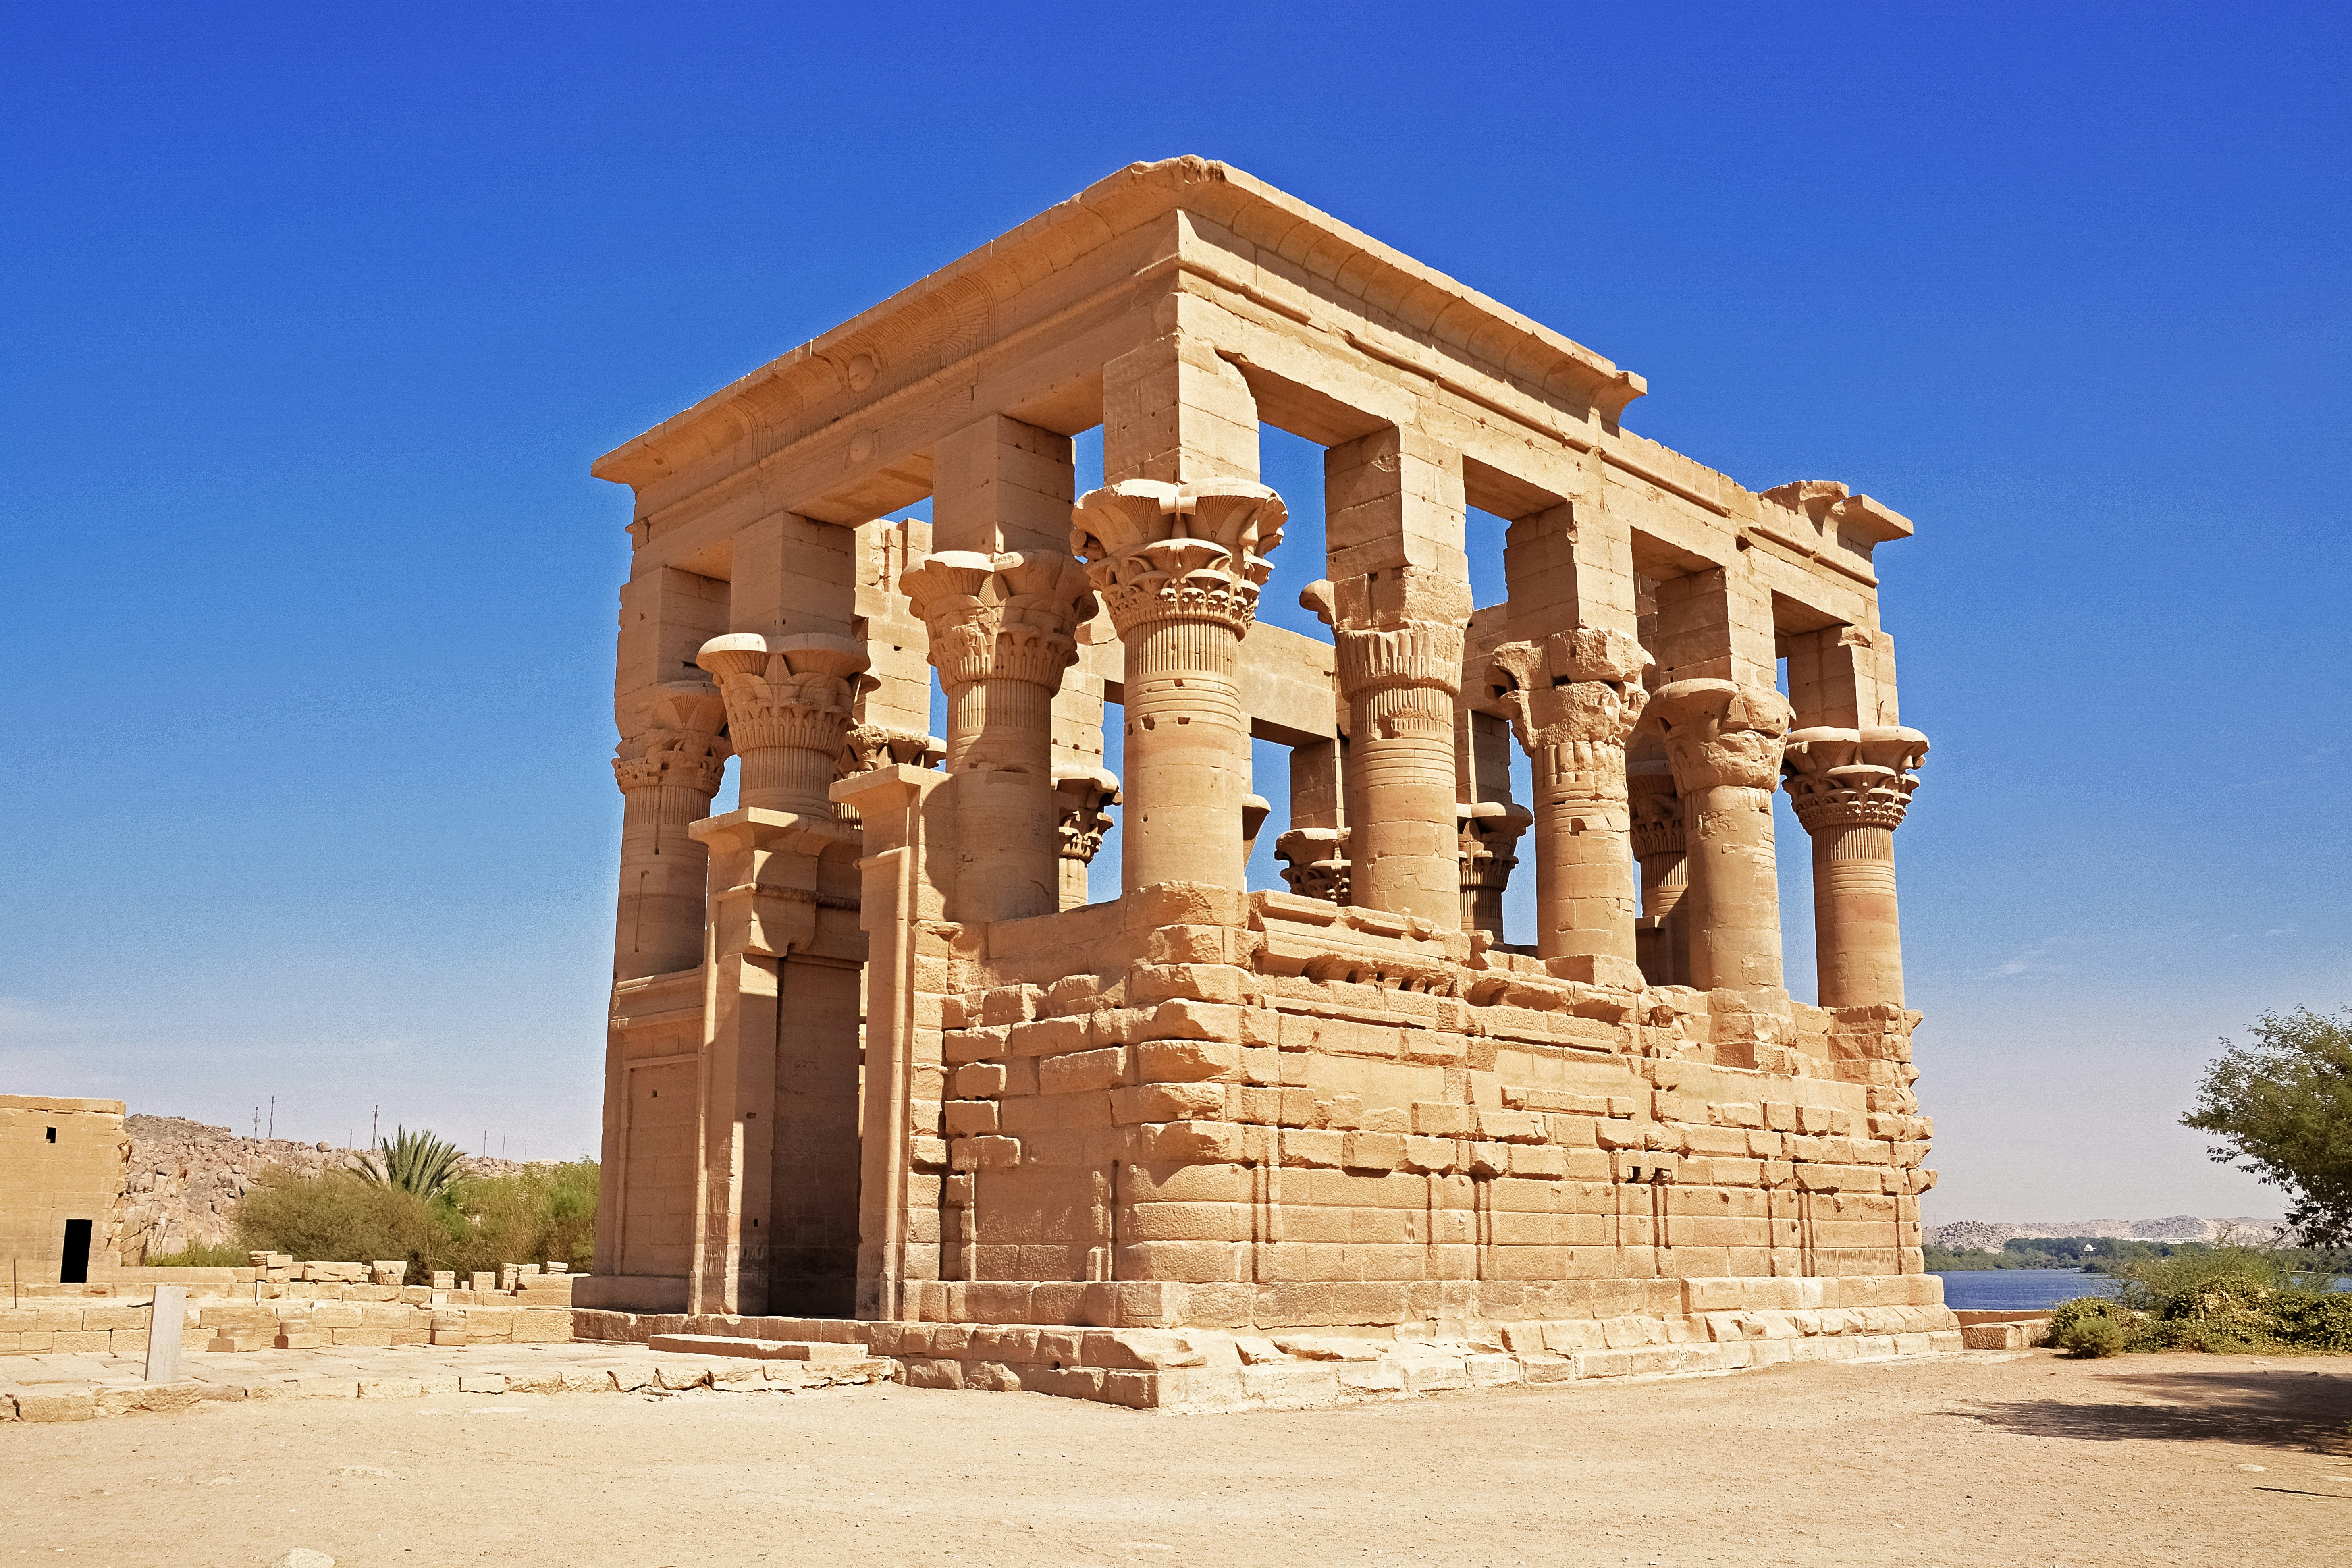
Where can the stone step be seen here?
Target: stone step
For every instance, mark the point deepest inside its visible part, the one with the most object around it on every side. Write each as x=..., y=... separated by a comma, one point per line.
x=758, y=1350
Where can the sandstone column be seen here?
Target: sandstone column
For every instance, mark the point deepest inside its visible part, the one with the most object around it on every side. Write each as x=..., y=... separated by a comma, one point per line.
x=776, y=1227
x=1180, y=567
x=1575, y=698
x=668, y=773
x=1003, y=629
x=1849, y=789
x=1724, y=741
x=1663, y=935
x=1488, y=848
x=1083, y=797
x=1399, y=637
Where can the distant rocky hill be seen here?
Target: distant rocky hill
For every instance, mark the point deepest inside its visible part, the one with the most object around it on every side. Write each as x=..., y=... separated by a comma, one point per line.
x=1976, y=1234
x=186, y=1178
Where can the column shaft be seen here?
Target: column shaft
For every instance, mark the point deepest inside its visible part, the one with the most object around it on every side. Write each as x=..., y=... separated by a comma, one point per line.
x=1180, y=567
x=1851, y=789
x=1724, y=740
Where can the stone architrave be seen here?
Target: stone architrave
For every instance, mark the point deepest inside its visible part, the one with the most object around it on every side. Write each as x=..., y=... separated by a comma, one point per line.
x=1663, y=935
x=667, y=773
x=1724, y=741
x=1574, y=699
x=1399, y=641
x=1180, y=568
x=1851, y=788
x=1003, y=627
x=1083, y=797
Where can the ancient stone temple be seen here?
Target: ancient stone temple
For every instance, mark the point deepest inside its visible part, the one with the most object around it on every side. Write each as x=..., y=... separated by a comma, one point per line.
x=874, y=1056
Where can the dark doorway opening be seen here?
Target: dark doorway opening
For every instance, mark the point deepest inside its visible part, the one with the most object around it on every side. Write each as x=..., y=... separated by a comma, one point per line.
x=75, y=1268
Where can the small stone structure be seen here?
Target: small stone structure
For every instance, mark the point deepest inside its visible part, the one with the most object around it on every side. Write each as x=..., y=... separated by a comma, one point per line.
x=872, y=1055
x=63, y=1164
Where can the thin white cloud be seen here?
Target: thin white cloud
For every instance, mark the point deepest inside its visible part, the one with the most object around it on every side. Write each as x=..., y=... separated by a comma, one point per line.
x=2028, y=964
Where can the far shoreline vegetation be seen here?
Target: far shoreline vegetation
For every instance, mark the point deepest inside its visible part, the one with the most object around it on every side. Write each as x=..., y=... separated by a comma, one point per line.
x=2109, y=1255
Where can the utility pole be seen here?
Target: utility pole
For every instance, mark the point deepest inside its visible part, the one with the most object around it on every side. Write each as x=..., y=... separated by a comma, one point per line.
x=257, y=1124
x=273, y=1116
x=375, y=1134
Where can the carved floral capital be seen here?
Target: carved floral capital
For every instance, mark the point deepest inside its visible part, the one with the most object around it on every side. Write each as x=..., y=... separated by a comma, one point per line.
x=1852, y=778
x=798, y=690
x=1722, y=736
x=1657, y=810
x=1084, y=796
x=682, y=747
x=1489, y=838
x=1011, y=616
x=1157, y=552
x=1574, y=699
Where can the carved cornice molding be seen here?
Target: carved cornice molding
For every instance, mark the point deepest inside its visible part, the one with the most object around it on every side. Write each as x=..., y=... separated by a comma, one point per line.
x=1158, y=551
x=1574, y=699
x=1012, y=616
x=1723, y=735
x=1852, y=778
x=797, y=691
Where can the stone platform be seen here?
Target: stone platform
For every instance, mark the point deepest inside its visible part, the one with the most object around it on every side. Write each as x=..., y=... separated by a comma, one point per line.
x=80, y=1387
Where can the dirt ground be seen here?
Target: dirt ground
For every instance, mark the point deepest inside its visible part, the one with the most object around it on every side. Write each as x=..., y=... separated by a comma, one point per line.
x=1976, y=1460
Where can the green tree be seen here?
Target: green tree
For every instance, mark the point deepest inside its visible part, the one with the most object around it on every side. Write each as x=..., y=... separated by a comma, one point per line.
x=413, y=1162
x=2283, y=1110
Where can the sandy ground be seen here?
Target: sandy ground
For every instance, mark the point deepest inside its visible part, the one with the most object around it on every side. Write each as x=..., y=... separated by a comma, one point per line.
x=1976, y=1460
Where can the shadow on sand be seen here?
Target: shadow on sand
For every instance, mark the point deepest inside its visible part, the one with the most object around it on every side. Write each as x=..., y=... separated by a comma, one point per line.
x=2289, y=1406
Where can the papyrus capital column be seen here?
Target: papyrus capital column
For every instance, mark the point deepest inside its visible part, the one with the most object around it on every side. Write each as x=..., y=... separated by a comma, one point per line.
x=1489, y=847
x=1003, y=627
x=1082, y=798
x=790, y=701
x=1399, y=643
x=1662, y=936
x=1180, y=567
x=1574, y=699
x=1850, y=788
x=1724, y=741
x=668, y=772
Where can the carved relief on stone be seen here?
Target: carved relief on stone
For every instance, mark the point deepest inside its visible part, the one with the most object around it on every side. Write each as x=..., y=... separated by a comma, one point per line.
x=1156, y=551
x=1574, y=699
x=1012, y=616
x=1315, y=862
x=682, y=748
x=1852, y=778
x=1722, y=736
x=1084, y=796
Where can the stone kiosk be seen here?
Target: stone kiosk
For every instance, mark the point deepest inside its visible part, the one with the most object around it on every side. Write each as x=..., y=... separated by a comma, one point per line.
x=877, y=1066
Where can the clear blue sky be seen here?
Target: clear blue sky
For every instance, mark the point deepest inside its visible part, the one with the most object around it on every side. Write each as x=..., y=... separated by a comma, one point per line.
x=315, y=326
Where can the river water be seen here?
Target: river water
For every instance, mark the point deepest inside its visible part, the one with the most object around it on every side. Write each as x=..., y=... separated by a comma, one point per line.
x=2019, y=1290
x=2029, y=1290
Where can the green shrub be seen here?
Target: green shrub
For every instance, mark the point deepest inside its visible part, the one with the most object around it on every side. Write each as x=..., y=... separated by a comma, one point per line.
x=2316, y=1320
x=339, y=1216
x=538, y=1215
x=2093, y=1326
x=201, y=1255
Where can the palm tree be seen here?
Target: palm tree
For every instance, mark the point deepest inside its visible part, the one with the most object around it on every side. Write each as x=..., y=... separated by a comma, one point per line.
x=413, y=1162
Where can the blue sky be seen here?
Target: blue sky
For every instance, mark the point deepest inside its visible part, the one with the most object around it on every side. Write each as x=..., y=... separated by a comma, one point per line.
x=315, y=326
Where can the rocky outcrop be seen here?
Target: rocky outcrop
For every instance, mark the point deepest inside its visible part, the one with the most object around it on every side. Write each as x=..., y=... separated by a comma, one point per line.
x=1981, y=1236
